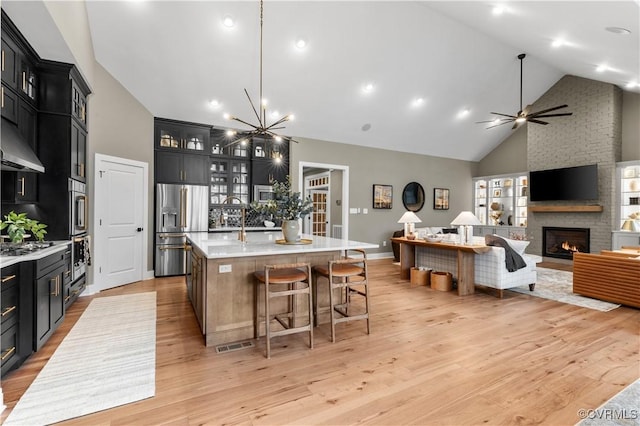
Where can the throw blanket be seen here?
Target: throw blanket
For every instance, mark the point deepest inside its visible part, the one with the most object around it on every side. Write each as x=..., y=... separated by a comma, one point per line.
x=513, y=261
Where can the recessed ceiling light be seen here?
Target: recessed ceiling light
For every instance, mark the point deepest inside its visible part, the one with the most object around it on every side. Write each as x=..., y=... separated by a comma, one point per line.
x=368, y=87
x=228, y=21
x=498, y=10
x=618, y=30
x=301, y=43
x=417, y=102
x=464, y=113
x=214, y=103
x=558, y=43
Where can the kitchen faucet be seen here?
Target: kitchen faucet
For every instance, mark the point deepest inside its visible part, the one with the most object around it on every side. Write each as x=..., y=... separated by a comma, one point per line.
x=242, y=235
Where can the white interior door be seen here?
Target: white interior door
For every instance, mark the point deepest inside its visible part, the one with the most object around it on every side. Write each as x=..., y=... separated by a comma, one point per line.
x=120, y=215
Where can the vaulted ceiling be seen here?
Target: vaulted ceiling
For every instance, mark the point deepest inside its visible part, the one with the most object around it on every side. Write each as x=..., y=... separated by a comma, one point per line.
x=176, y=57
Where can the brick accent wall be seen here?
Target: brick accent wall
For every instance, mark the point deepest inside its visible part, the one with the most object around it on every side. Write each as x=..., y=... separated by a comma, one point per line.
x=593, y=134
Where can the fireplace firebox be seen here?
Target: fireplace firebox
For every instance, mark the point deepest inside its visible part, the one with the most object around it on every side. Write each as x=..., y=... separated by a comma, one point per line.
x=563, y=242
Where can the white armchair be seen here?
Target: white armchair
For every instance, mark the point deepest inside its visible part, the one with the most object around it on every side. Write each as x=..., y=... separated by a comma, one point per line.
x=491, y=271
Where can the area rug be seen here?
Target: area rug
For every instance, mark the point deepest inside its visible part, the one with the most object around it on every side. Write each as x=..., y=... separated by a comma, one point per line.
x=107, y=359
x=621, y=410
x=558, y=285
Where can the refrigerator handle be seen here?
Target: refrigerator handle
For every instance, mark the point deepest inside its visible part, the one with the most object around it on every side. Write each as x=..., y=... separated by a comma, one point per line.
x=183, y=208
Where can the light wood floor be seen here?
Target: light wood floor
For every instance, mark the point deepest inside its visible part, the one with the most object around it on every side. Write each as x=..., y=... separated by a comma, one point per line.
x=433, y=358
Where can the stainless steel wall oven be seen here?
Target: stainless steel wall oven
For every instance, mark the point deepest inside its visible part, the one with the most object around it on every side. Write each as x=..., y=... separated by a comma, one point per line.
x=79, y=208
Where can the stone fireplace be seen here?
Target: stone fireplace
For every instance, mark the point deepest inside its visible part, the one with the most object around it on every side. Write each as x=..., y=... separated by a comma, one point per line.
x=561, y=242
x=593, y=134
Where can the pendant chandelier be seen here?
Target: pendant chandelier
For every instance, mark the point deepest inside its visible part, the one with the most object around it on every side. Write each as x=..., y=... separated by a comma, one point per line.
x=262, y=129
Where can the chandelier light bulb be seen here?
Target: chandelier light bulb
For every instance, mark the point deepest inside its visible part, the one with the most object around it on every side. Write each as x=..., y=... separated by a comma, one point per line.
x=231, y=132
x=275, y=114
x=264, y=102
x=291, y=117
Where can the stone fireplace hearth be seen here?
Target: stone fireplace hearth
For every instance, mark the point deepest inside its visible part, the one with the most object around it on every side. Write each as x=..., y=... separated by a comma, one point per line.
x=561, y=243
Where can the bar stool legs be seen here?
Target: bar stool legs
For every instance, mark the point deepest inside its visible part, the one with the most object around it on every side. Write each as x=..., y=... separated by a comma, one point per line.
x=290, y=281
x=350, y=277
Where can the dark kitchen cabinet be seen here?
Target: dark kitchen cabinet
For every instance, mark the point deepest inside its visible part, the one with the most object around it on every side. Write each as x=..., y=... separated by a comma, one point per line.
x=18, y=62
x=177, y=136
x=175, y=167
x=62, y=122
x=17, y=315
x=9, y=104
x=270, y=161
x=49, y=295
x=22, y=187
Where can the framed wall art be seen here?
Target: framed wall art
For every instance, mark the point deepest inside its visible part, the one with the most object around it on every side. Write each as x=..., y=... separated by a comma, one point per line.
x=440, y=199
x=382, y=196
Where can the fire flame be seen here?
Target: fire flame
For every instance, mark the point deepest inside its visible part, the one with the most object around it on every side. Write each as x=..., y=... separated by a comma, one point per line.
x=569, y=247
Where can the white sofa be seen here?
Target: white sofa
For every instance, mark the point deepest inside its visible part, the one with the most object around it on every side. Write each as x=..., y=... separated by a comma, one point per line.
x=491, y=270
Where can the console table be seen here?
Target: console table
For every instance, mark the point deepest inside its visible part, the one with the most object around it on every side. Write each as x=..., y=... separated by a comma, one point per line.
x=465, y=260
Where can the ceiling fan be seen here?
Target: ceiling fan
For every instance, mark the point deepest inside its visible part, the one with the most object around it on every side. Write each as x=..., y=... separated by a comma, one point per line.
x=524, y=115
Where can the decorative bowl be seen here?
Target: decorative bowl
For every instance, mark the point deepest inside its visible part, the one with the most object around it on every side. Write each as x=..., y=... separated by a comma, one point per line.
x=432, y=238
x=269, y=224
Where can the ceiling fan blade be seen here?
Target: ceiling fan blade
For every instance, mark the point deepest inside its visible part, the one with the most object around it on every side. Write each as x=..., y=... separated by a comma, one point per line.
x=515, y=125
x=548, y=110
x=495, y=120
x=499, y=124
x=562, y=114
x=504, y=115
x=533, y=120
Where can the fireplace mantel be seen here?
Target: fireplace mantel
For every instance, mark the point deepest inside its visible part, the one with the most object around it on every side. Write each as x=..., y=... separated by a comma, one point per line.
x=566, y=209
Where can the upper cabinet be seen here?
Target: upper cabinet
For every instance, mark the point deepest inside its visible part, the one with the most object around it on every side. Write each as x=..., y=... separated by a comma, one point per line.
x=18, y=63
x=177, y=136
x=501, y=200
x=63, y=121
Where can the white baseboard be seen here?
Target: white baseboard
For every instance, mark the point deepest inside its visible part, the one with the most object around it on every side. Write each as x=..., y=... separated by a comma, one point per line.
x=384, y=255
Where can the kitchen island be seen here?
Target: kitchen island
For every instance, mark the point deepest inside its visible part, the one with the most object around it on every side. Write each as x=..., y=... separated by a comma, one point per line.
x=220, y=280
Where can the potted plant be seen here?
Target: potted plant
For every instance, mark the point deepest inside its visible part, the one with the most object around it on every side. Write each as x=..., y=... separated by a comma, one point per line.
x=287, y=206
x=18, y=224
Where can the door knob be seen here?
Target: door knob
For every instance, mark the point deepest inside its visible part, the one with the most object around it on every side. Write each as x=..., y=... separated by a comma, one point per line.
x=139, y=229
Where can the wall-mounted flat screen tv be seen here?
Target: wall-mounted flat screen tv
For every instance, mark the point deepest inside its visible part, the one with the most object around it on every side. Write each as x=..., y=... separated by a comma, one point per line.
x=569, y=183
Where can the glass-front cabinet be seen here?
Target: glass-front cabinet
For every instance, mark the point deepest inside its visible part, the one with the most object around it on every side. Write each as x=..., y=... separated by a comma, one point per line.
x=500, y=203
x=626, y=232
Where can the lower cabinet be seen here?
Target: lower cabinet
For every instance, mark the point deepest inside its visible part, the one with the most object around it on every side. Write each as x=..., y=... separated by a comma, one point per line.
x=17, y=316
x=49, y=295
x=625, y=239
x=197, y=283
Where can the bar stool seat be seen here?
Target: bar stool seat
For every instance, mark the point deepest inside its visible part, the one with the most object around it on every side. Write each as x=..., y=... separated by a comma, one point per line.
x=290, y=281
x=350, y=277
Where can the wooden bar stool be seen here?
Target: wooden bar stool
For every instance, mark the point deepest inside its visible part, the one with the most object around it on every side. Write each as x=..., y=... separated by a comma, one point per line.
x=290, y=281
x=350, y=276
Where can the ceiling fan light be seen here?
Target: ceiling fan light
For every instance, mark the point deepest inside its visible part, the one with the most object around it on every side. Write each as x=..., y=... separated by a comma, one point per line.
x=521, y=119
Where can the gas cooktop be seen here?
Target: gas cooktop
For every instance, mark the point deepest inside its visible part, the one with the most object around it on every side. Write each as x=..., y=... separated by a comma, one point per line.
x=21, y=249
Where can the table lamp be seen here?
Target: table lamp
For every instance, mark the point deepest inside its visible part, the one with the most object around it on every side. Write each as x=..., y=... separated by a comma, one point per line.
x=409, y=218
x=465, y=221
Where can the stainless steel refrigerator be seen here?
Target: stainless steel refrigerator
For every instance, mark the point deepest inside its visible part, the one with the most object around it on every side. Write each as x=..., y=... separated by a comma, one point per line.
x=179, y=209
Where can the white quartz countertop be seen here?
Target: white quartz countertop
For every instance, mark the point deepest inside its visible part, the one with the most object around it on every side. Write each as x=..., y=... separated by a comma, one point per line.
x=227, y=245
x=35, y=255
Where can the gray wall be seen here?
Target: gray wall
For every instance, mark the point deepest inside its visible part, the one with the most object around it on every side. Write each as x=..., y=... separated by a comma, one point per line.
x=120, y=126
x=369, y=166
x=508, y=157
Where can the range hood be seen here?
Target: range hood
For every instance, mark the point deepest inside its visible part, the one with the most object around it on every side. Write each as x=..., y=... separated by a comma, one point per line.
x=17, y=155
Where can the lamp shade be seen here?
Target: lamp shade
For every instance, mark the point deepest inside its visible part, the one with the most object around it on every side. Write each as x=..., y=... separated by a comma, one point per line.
x=466, y=218
x=409, y=217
